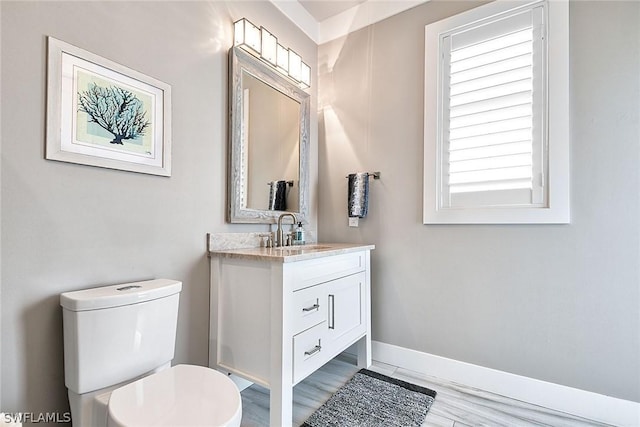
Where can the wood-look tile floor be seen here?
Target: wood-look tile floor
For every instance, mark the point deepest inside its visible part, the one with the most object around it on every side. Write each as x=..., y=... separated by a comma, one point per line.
x=455, y=405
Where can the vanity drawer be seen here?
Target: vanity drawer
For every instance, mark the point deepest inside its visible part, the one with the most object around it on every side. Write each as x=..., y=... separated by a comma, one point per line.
x=309, y=351
x=309, y=307
x=320, y=270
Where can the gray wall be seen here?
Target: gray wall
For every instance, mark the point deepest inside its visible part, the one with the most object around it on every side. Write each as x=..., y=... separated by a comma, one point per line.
x=0, y=217
x=67, y=227
x=558, y=303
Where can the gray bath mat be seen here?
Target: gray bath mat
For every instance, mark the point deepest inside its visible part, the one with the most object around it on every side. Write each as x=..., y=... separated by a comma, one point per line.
x=372, y=399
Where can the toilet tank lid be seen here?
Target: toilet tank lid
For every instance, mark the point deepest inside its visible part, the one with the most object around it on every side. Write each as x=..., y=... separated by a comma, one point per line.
x=119, y=295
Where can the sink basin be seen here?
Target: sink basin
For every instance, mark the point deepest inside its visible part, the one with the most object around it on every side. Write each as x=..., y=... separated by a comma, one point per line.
x=292, y=250
x=311, y=247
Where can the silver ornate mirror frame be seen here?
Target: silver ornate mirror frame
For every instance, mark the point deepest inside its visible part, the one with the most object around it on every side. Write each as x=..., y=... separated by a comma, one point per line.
x=241, y=61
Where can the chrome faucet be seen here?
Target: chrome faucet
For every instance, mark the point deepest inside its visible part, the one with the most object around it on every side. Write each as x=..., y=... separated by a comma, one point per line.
x=279, y=233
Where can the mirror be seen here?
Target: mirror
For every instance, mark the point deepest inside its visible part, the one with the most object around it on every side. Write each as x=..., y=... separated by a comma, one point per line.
x=269, y=143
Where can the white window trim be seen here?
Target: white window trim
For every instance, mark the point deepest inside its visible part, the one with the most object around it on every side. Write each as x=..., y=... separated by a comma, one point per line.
x=558, y=209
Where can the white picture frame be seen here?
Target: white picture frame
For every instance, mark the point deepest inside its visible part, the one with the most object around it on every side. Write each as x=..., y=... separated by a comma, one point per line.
x=104, y=114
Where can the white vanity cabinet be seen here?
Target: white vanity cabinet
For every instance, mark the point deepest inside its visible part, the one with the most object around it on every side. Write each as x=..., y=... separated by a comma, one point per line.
x=277, y=315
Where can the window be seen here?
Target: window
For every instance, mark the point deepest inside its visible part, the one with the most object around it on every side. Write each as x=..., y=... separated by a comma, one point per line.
x=496, y=115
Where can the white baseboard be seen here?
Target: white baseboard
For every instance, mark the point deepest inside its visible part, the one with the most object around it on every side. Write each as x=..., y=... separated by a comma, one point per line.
x=593, y=406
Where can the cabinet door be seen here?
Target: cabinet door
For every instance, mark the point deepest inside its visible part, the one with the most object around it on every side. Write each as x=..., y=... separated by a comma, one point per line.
x=346, y=305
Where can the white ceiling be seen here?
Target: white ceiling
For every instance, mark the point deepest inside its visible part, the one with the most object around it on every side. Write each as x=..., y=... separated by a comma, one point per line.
x=326, y=20
x=323, y=9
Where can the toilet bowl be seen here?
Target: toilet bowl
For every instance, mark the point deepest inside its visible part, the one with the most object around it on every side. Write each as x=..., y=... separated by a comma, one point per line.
x=184, y=395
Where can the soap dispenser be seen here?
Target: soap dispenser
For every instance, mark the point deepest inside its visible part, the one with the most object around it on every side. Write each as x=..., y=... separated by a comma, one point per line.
x=299, y=240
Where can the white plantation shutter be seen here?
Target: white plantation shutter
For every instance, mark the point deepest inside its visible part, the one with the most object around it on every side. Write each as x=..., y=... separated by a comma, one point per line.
x=492, y=101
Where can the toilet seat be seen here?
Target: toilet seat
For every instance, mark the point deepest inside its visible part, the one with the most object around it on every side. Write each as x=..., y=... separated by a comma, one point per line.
x=184, y=395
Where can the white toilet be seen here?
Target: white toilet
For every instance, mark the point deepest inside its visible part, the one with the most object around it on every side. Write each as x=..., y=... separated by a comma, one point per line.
x=118, y=345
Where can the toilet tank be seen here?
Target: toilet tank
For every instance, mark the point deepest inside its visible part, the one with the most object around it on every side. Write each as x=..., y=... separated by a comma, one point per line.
x=116, y=333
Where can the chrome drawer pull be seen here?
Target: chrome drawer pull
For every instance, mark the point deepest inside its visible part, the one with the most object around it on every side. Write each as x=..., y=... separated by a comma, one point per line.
x=313, y=307
x=314, y=351
x=332, y=309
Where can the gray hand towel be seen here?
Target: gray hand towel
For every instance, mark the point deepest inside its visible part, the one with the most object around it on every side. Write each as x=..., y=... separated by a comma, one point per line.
x=358, y=198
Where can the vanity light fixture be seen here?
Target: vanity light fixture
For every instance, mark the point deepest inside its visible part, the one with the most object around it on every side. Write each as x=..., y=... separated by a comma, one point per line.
x=295, y=65
x=269, y=46
x=283, y=59
x=263, y=44
x=305, y=74
x=247, y=35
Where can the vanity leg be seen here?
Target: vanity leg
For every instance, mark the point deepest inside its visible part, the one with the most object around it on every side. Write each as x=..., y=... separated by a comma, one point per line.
x=364, y=344
x=281, y=374
x=281, y=405
x=364, y=352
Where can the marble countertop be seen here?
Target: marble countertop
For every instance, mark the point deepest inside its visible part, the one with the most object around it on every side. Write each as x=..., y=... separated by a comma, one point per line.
x=292, y=253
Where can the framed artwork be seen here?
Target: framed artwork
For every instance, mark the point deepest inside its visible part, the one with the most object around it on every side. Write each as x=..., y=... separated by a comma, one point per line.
x=101, y=113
